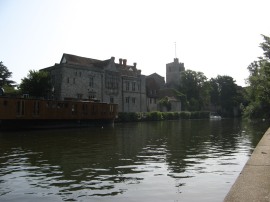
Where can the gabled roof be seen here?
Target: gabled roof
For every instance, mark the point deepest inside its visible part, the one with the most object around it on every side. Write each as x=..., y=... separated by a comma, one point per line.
x=125, y=70
x=74, y=59
x=156, y=75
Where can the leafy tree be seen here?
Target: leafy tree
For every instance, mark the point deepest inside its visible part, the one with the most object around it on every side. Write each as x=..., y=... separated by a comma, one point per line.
x=214, y=92
x=5, y=74
x=7, y=84
x=37, y=83
x=225, y=94
x=196, y=88
x=258, y=91
x=228, y=94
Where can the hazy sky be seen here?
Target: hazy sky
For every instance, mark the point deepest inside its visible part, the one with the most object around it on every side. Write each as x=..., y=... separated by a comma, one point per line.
x=216, y=37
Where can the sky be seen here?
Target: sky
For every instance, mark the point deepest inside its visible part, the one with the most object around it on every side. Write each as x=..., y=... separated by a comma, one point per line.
x=216, y=37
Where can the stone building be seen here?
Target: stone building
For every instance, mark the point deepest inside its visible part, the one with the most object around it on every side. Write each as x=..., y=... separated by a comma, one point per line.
x=82, y=78
x=173, y=71
x=154, y=83
x=157, y=91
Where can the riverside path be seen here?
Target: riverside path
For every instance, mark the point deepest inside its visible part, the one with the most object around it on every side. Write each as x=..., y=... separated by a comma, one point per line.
x=253, y=183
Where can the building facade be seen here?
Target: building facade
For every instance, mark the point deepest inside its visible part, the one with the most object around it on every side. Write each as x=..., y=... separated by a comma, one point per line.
x=154, y=83
x=156, y=92
x=83, y=78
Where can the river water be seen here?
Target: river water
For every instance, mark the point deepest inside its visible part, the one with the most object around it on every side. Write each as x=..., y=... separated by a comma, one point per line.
x=187, y=160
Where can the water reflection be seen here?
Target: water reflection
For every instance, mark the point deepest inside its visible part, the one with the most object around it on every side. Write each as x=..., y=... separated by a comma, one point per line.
x=155, y=161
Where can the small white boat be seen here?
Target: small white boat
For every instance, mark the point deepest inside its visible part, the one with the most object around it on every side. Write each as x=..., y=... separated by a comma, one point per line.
x=215, y=116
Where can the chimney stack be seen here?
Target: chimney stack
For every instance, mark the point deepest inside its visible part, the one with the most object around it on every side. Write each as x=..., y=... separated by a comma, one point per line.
x=135, y=64
x=120, y=61
x=125, y=62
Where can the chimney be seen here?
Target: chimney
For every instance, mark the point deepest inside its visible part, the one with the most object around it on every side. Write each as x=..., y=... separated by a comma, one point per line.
x=120, y=61
x=135, y=64
x=112, y=59
x=125, y=62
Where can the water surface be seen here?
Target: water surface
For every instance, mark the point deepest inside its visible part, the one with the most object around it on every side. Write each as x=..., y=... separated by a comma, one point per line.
x=196, y=160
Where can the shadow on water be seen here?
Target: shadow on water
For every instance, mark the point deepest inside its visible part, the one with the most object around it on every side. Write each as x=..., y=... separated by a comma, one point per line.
x=161, y=159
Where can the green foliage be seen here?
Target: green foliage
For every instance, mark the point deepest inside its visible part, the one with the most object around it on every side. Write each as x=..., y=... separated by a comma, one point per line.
x=154, y=116
x=214, y=92
x=5, y=74
x=196, y=88
x=159, y=116
x=258, y=91
x=37, y=83
x=128, y=116
x=194, y=115
x=10, y=90
x=166, y=103
x=184, y=115
x=170, y=115
x=225, y=93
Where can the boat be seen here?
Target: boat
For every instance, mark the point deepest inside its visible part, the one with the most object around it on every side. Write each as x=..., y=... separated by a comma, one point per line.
x=215, y=116
x=23, y=112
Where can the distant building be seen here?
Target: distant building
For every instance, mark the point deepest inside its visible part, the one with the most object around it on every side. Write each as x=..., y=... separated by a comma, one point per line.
x=154, y=83
x=173, y=70
x=82, y=78
x=157, y=91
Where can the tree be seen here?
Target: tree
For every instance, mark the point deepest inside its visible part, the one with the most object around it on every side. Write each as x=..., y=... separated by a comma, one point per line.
x=37, y=83
x=5, y=74
x=214, y=92
x=224, y=93
x=196, y=88
x=258, y=91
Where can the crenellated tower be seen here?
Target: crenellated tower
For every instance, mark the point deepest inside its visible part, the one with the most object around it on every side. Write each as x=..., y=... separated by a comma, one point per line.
x=173, y=71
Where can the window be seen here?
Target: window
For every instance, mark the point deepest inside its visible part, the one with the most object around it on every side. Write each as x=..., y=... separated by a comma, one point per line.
x=127, y=86
x=73, y=80
x=133, y=86
x=68, y=80
x=80, y=74
x=36, y=108
x=133, y=100
x=84, y=108
x=127, y=99
x=91, y=82
x=20, y=107
x=111, y=100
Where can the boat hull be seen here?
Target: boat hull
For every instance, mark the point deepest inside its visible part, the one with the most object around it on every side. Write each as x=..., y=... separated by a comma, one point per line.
x=18, y=113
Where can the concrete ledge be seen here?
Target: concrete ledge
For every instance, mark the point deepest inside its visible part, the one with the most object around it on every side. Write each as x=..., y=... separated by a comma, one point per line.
x=253, y=183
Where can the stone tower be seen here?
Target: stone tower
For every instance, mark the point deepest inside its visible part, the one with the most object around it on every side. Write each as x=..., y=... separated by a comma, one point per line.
x=173, y=71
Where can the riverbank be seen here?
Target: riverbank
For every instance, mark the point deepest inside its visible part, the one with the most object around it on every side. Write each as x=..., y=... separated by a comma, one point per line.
x=253, y=183
x=158, y=116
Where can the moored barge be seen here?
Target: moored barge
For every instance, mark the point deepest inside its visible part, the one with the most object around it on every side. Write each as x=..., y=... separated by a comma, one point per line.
x=39, y=113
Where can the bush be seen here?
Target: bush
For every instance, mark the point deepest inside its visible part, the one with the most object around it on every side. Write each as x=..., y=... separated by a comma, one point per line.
x=168, y=115
x=154, y=116
x=128, y=116
x=204, y=115
x=184, y=115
